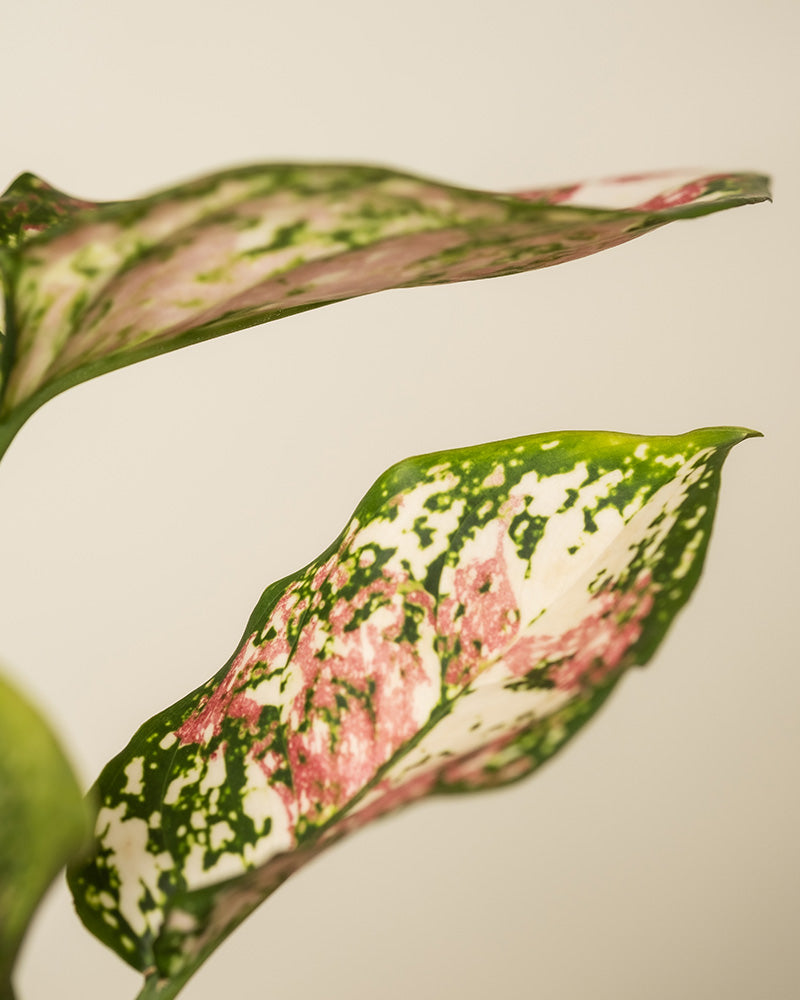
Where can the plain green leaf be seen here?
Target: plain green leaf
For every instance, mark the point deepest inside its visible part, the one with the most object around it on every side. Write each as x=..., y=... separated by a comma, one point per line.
x=44, y=819
x=91, y=287
x=475, y=612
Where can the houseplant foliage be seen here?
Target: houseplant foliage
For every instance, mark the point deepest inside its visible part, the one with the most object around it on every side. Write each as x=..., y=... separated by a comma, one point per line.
x=44, y=819
x=476, y=610
x=92, y=287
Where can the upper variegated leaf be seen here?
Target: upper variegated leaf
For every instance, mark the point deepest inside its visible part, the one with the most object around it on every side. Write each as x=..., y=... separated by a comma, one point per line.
x=476, y=610
x=91, y=287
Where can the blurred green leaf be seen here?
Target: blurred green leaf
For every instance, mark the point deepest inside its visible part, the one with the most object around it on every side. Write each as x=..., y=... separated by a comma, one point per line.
x=475, y=612
x=44, y=820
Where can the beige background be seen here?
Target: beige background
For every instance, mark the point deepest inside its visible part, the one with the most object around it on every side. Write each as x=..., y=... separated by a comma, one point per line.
x=144, y=512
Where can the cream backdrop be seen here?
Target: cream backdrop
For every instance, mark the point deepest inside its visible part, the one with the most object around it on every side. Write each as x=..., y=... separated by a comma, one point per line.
x=144, y=512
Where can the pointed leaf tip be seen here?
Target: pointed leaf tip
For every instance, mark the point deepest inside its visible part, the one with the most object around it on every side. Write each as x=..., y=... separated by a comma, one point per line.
x=680, y=193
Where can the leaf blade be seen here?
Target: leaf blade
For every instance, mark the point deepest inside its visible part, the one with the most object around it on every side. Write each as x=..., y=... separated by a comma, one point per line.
x=92, y=287
x=44, y=819
x=476, y=611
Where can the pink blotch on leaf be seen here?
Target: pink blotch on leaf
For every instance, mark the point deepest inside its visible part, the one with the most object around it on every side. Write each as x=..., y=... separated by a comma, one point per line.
x=684, y=195
x=206, y=722
x=228, y=700
x=357, y=705
x=594, y=647
x=242, y=707
x=481, y=612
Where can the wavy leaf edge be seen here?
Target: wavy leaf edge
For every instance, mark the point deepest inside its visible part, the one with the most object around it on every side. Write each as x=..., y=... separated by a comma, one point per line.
x=328, y=715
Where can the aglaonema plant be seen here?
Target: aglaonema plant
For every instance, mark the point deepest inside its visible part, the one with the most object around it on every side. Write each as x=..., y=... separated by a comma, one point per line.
x=474, y=613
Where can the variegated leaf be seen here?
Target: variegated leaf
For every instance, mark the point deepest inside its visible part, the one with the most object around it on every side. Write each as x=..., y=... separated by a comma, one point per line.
x=477, y=609
x=44, y=819
x=92, y=287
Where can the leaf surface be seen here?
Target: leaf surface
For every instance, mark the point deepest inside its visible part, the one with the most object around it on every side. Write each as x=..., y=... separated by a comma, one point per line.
x=91, y=287
x=475, y=612
x=44, y=820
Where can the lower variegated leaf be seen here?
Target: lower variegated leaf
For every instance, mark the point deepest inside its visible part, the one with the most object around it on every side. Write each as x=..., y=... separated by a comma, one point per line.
x=44, y=820
x=477, y=609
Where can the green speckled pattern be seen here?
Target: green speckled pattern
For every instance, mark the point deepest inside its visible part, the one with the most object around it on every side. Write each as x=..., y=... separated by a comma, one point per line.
x=477, y=609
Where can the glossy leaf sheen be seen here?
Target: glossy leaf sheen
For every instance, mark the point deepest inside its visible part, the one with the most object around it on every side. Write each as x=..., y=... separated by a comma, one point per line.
x=477, y=609
x=44, y=820
x=91, y=287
